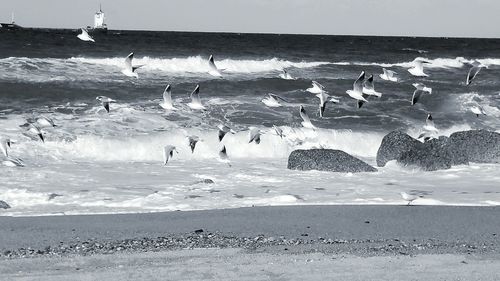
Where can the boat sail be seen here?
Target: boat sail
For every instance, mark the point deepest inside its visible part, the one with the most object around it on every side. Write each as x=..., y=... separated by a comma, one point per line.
x=99, y=24
x=10, y=26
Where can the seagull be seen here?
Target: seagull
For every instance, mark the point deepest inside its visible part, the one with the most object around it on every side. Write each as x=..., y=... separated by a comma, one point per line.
x=84, y=36
x=278, y=131
x=129, y=69
x=168, y=152
x=421, y=86
x=285, y=75
x=5, y=144
x=13, y=162
x=357, y=91
x=478, y=110
x=105, y=101
x=195, y=99
x=389, y=75
x=306, y=121
x=369, y=88
x=192, y=142
x=316, y=88
x=408, y=197
x=36, y=131
x=473, y=71
x=214, y=71
x=323, y=99
x=418, y=69
x=419, y=90
x=223, y=130
x=167, y=99
x=429, y=128
x=254, y=135
x=223, y=156
x=43, y=122
x=272, y=100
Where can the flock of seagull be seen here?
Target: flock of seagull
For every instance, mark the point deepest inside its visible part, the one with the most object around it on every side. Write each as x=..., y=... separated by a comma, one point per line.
x=363, y=88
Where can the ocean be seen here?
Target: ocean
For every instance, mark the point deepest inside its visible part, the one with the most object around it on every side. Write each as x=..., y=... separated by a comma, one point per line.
x=95, y=162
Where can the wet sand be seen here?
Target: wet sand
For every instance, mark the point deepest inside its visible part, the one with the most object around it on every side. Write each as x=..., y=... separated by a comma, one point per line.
x=335, y=236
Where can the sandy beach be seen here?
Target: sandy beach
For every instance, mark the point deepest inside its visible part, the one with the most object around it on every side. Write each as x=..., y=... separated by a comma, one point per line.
x=277, y=243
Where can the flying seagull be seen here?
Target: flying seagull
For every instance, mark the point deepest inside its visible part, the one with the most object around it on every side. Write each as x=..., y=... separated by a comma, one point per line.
x=389, y=75
x=285, y=75
x=129, y=69
x=105, y=101
x=168, y=152
x=254, y=135
x=167, y=99
x=316, y=88
x=195, y=99
x=369, y=88
x=223, y=130
x=84, y=36
x=223, y=156
x=13, y=162
x=278, y=131
x=418, y=69
x=430, y=130
x=323, y=99
x=33, y=129
x=478, y=110
x=408, y=197
x=357, y=90
x=473, y=71
x=273, y=100
x=213, y=70
x=40, y=121
x=5, y=144
x=193, y=140
x=420, y=89
x=306, y=122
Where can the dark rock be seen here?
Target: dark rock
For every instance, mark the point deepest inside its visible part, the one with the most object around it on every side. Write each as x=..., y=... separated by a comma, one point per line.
x=479, y=146
x=326, y=160
x=198, y=231
x=393, y=145
x=4, y=205
x=429, y=156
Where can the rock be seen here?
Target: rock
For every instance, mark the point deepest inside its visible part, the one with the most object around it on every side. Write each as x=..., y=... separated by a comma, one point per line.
x=479, y=146
x=429, y=156
x=326, y=160
x=4, y=205
x=393, y=145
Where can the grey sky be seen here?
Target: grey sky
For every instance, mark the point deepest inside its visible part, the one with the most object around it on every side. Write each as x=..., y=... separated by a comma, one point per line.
x=478, y=18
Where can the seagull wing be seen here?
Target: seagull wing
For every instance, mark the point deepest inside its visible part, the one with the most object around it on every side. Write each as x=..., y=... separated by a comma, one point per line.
x=167, y=95
x=358, y=84
x=318, y=85
x=276, y=97
x=416, y=96
x=128, y=62
x=472, y=74
x=195, y=95
x=304, y=115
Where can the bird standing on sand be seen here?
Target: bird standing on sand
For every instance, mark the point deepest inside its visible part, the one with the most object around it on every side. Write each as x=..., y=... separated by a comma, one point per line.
x=409, y=197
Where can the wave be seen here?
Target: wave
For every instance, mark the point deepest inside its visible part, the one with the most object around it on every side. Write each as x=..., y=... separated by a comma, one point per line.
x=198, y=64
x=457, y=62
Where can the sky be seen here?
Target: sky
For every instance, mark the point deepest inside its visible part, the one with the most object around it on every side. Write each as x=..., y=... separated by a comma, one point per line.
x=436, y=18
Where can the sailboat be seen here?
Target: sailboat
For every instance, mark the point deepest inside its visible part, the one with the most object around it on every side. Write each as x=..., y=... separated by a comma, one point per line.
x=10, y=26
x=99, y=25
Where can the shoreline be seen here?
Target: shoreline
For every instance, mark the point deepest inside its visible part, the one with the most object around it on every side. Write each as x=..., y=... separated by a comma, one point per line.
x=359, y=230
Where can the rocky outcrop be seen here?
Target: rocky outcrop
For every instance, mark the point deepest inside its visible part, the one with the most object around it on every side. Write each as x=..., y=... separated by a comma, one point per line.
x=327, y=160
x=479, y=146
x=429, y=156
x=393, y=146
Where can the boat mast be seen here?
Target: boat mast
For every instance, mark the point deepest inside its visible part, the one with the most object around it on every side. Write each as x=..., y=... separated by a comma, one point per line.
x=13, y=17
